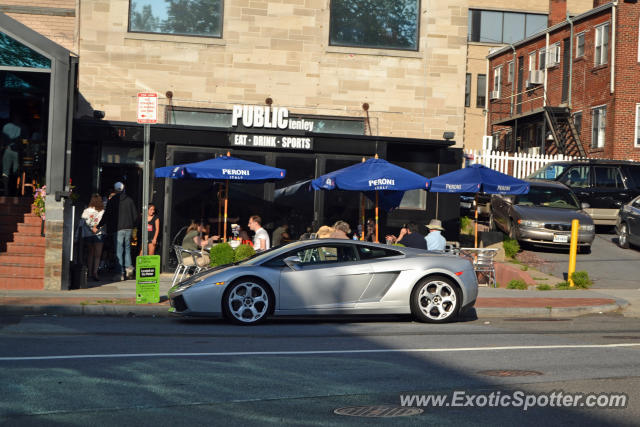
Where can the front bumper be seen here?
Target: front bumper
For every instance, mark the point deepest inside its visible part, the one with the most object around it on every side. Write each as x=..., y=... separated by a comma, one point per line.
x=197, y=300
x=553, y=237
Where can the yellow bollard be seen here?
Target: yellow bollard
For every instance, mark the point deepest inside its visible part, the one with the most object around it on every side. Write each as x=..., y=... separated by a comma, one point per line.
x=573, y=249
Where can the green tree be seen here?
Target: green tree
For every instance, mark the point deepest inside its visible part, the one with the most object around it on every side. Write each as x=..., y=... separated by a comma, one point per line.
x=144, y=20
x=375, y=23
x=195, y=17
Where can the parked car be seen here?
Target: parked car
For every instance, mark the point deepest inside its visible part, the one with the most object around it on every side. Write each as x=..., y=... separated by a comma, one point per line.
x=628, y=224
x=331, y=276
x=543, y=216
x=604, y=184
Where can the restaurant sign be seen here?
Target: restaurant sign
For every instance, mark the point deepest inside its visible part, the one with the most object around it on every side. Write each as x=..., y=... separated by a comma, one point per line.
x=281, y=142
x=258, y=116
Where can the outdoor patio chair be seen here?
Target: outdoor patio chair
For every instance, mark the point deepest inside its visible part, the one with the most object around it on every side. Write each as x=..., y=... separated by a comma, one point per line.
x=189, y=262
x=483, y=264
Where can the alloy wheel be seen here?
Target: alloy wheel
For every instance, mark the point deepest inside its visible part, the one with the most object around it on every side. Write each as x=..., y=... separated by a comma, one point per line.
x=436, y=300
x=623, y=236
x=248, y=302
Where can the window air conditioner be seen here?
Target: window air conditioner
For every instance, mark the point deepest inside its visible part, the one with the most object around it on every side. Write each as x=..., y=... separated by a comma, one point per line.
x=495, y=94
x=537, y=77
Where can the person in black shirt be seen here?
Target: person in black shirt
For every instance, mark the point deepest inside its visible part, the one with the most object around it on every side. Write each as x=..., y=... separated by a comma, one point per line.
x=409, y=236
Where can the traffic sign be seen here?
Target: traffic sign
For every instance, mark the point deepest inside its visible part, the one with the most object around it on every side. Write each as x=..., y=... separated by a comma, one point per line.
x=147, y=107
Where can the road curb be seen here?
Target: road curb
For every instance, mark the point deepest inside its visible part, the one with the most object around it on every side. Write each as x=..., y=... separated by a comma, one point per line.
x=550, y=312
x=116, y=310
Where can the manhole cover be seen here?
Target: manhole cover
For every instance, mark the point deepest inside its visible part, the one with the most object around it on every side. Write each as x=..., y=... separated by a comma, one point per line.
x=380, y=411
x=509, y=373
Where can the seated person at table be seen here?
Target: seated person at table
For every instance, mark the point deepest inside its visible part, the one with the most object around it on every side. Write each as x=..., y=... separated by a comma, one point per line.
x=324, y=232
x=261, y=237
x=409, y=236
x=435, y=240
x=195, y=240
x=341, y=230
x=281, y=235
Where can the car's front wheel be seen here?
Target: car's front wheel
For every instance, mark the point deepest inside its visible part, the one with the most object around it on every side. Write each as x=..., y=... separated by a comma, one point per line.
x=248, y=302
x=623, y=236
x=435, y=299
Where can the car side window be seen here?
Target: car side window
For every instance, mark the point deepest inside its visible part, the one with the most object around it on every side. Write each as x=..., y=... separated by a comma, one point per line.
x=634, y=173
x=576, y=177
x=371, y=252
x=608, y=177
x=327, y=254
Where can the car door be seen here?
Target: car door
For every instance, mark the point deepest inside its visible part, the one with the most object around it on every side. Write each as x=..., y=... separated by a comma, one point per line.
x=578, y=178
x=633, y=220
x=500, y=211
x=328, y=276
x=609, y=191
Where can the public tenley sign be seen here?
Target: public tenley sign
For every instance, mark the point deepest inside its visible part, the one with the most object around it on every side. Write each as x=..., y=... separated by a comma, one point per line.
x=260, y=117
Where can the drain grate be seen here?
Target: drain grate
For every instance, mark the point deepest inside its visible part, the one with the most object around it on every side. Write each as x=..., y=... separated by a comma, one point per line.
x=510, y=373
x=380, y=411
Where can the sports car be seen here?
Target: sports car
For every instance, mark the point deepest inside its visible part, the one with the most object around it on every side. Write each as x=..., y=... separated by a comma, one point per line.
x=331, y=276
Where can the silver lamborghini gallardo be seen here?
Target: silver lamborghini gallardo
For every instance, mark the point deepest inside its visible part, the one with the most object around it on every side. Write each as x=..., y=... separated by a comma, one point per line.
x=331, y=276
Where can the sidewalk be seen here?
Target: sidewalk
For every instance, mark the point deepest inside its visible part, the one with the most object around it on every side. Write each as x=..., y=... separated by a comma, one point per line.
x=118, y=299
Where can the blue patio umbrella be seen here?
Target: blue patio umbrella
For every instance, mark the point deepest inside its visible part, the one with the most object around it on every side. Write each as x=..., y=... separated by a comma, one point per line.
x=374, y=177
x=478, y=178
x=223, y=168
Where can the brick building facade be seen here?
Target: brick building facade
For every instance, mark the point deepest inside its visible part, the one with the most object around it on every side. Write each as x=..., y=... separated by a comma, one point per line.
x=572, y=88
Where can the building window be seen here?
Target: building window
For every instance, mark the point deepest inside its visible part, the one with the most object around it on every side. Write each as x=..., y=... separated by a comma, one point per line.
x=577, y=122
x=532, y=63
x=467, y=91
x=377, y=24
x=636, y=140
x=553, y=55
x=598, y=125
x=510, y=71
x=482, y=89
x=580, y=45
x=602, y=44
x=497, y=82
x=491, y=26
x=542, y=59
x=186, y=17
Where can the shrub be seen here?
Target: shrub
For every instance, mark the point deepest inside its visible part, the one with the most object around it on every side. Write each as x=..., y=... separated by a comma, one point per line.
x=544, y=287
x=564, y=286
x=517, y=284
x=581, y=279
x=221, y=254
x=243, y=252
x=511, y=247
x=466, y=225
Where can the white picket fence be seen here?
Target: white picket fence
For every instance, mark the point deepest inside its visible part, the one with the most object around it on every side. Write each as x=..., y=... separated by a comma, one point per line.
x=519, y=165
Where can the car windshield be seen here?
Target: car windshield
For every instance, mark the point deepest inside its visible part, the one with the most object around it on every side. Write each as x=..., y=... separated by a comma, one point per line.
x=549, y=172
x=549, y=197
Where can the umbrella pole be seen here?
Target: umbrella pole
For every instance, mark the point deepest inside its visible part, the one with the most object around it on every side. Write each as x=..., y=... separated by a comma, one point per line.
x=377, y=240
x=226, y=201
x=218, y=196
x=362, y=219
x=476, y=225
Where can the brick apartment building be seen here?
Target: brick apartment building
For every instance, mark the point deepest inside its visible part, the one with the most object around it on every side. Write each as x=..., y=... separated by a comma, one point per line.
x=572, y=88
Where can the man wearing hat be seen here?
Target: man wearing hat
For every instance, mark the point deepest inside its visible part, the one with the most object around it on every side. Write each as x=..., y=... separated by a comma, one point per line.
x=435, y=239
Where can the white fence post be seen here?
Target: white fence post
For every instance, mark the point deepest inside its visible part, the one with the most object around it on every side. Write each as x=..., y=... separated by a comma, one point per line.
x=522, y=164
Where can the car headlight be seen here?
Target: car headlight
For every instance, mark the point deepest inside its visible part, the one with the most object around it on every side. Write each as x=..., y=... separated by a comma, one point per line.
x=530, y=223
x=587, y=227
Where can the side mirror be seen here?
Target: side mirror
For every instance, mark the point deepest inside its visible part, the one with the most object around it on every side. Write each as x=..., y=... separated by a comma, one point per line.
x=509, y=199
x=585, y=205
x=292, y=262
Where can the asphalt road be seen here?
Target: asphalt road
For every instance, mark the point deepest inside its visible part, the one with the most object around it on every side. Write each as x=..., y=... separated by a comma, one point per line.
x=145, y=371
x=609, y=266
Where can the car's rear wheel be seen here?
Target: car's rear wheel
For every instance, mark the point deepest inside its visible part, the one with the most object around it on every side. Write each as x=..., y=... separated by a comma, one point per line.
x=248, y=302
x=435, y=299
x=623, y=236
